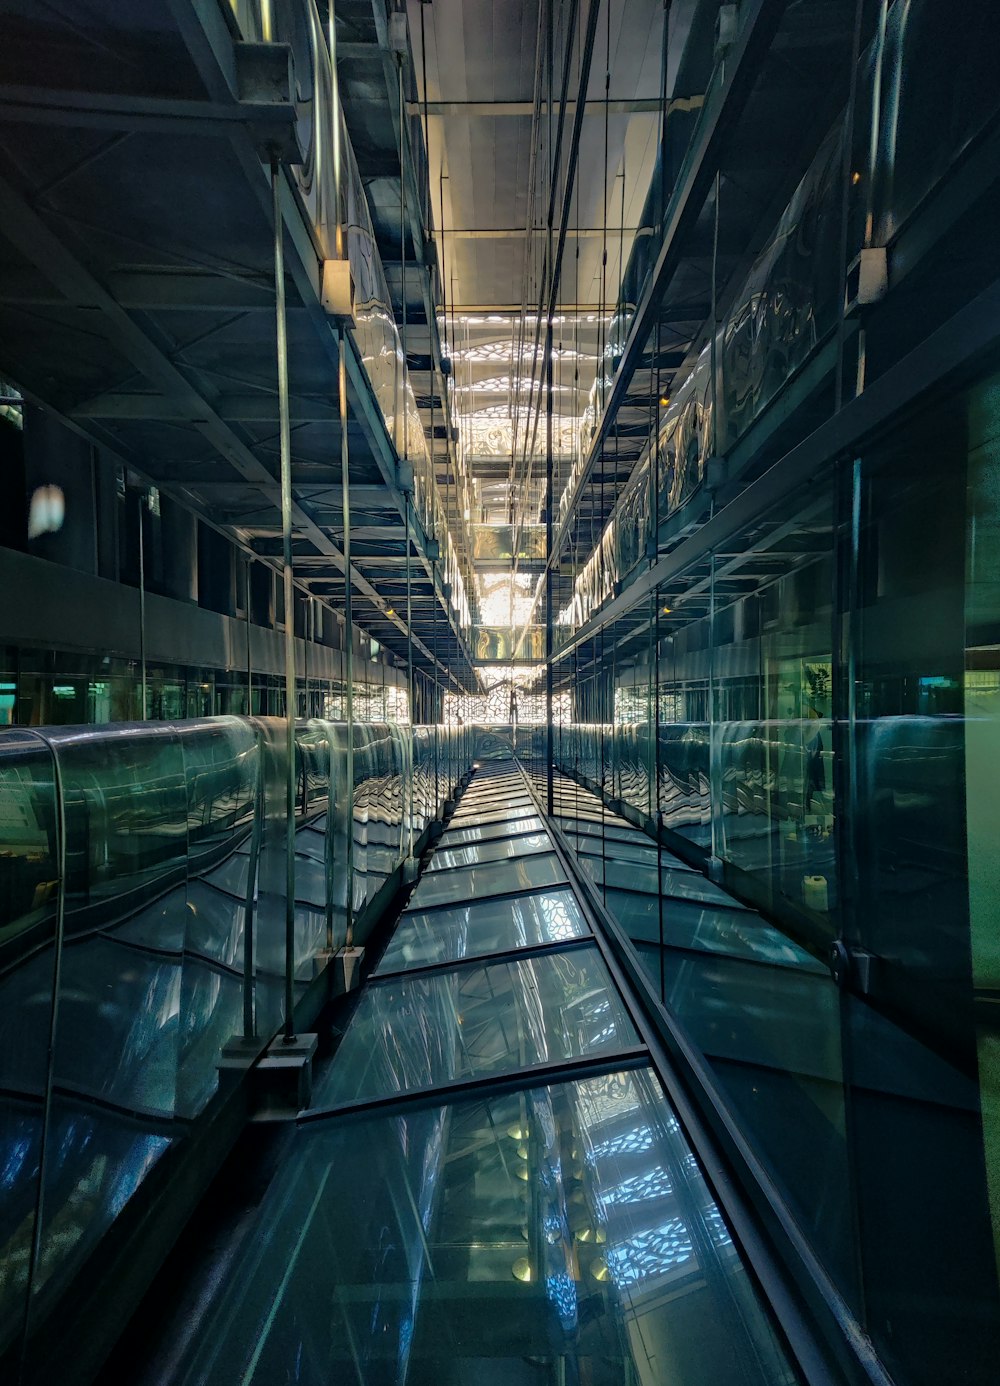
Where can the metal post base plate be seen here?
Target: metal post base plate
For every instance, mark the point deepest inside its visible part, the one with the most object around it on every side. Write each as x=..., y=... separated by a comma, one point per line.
x=284, y=1078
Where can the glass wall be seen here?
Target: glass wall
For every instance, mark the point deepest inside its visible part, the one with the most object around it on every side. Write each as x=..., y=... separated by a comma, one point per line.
x=809, y=721
x=41, y=688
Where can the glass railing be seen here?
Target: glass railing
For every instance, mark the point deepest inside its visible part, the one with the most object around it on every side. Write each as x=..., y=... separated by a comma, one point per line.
x=142, y=930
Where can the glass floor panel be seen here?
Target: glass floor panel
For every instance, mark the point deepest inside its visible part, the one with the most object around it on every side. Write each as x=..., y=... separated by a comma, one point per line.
x=494, y=784
x=501, y=805
x=494, y=818
x=487, y=926
x=678, y=884
x=617, y=850
x=587, y=822
x=492, y=878
x=640, y=853
x=766, y=1017
x=737, y=933
x=574, y=827
x=558, y=1234
x=503, y=850
x=485, y=803
x=476, y=1019
x=460, y=837
x=515, y=799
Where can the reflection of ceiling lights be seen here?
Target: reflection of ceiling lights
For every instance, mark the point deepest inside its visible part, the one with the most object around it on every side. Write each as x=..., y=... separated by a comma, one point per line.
x=599, y=1269
x=517, y=1132
x=521, y=1270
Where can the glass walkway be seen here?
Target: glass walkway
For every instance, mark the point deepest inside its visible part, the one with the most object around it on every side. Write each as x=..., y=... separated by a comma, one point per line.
x=490, y=1184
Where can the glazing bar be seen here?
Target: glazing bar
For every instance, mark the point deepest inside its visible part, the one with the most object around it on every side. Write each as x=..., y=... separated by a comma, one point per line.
x=289, y=596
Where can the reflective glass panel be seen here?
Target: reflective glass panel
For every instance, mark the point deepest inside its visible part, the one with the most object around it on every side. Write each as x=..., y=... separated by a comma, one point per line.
x=493, y=878
x=514, y=806
x=468, y=1021
x=487, y=926
x=560, y=1234
x=682, y=885
x=455, y=837
x=689, y=924
x=446, y=857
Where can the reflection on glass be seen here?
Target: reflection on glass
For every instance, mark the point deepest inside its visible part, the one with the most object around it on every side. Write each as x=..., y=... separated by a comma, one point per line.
x=561, y=1234
x=504, y=807
x=418, y=1032
x=485, y=926
x=530, y=845
x=508, y=816
x=517, y=827
x=493, y=878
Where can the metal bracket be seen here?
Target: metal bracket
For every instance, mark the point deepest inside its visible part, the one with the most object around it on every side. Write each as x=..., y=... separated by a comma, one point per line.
x=727, y=25
x=337, y=291
x=853, y=969
x=398, y=39
x=265, y=82
x=867, y=278
x=347, y=963
x=716, y=473
x=239, y=1054
x=284, y=1078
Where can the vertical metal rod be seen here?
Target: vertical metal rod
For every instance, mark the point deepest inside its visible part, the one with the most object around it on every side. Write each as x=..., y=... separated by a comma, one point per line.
x=142, y=611
x=402, y=250
x=853, y=857
x=409, y=659
x=438, y=705
x=846, y=160
x=715, y=319
x=409, y=493
x=664, y=62
x=345, y=484
x=714, y=740
x=249, y=997
x=335, y=120
x=656, y=772
x=546, y=297
x=345, y=481
x=249, y=647
x=38, y=1228
x=289, y=596
x=310, y=635
x=549, y=643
